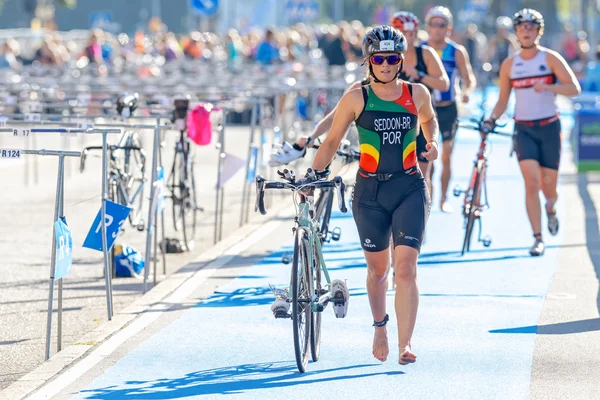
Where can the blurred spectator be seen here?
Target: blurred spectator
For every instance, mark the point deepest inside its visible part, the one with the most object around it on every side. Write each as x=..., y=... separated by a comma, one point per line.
x=475, y=42
x=268, y=53
x=8, y=58
x=502, y=45
x=334, y=47
x=93, y=50
x=568, y=46
x=46, y=54
x=169, y=48
x=592, y=74
x=192, y=46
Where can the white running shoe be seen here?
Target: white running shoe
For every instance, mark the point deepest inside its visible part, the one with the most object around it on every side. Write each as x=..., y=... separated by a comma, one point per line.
x=285, y=155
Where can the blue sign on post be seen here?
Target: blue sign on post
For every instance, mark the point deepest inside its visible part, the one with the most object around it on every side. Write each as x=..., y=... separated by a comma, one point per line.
x=205, y=7
x=116, y=215
x=64, y=249
x=587, y=133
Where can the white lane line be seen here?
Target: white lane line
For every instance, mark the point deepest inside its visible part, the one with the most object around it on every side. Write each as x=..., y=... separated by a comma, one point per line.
x=108, y=347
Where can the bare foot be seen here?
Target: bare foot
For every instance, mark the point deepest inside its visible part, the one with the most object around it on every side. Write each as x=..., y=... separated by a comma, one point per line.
x=407, y=356
x=380, y=344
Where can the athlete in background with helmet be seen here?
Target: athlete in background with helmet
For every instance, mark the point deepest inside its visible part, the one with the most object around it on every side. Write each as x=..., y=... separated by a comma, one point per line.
x=421, y=65
x=533, y=73
x=456, y=63
x=390, y=195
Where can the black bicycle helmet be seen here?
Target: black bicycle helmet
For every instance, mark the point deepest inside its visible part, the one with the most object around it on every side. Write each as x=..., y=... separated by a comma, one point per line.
x=384, y=39
x=127, y=104
x=528, y=15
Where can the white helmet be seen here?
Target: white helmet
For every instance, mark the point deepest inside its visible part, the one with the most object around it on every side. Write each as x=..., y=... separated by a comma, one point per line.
x=504, y=22
x=439, y=12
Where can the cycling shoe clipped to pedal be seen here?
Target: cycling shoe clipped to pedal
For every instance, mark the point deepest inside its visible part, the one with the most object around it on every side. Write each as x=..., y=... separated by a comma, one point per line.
x=340, y=297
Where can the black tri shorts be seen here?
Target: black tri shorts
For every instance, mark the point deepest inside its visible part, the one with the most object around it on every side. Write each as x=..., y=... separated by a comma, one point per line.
x=399, y=206
x=447, y=117
x=534, y=141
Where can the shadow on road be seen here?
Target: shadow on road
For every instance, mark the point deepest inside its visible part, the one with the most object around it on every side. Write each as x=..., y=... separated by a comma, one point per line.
x=592, y=233
x=228, y=381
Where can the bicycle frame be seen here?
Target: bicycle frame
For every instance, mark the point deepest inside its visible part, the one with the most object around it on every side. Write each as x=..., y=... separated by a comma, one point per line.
x=480, y=164
x=307, y=225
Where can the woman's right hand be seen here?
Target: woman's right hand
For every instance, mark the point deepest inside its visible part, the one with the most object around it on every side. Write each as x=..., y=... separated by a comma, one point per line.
x=304, y=141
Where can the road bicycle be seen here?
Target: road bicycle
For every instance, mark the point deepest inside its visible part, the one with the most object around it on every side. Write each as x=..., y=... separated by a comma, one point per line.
x=476, y=200
x=181, y=182
x=311, y=287
x=126, y=174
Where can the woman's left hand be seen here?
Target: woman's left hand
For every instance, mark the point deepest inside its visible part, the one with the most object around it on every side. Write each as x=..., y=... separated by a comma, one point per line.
x=432, y=151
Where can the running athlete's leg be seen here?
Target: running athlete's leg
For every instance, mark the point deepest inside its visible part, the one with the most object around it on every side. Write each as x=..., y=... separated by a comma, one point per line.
x=408, y=227
x=378, y=267
x=532, y=174
x=446, y=173
x=407, y=299
x=448, y=120
x=549, y=184
x=550, y=137
x=374, y=229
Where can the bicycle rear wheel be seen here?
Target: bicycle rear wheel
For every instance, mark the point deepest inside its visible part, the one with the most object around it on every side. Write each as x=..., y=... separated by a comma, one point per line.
x=188, y=206
x=470, y=213
x=315, y=327
x=135, y=168
x=301, y=306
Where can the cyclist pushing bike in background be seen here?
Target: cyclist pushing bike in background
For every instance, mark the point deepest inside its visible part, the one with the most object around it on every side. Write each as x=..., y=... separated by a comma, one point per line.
x=455, y=59
x=537, y=75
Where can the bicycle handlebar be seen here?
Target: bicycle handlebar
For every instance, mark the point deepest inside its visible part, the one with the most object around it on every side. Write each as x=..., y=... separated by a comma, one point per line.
x=311, y=182
x=349, y=156
x=480, y=126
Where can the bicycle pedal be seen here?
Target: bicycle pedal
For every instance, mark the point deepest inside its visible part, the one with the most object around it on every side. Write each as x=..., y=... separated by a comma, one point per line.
x=141, y=226
x=340, y=298
x=336, y=234
x=282, y=315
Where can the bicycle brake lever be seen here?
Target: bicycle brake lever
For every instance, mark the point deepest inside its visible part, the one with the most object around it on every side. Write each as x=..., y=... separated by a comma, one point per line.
x=339, y=184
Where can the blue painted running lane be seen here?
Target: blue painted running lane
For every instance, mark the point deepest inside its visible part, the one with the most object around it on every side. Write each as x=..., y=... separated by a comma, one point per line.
x=467, y=338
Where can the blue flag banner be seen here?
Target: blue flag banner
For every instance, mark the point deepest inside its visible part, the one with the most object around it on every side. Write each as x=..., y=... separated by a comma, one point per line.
x=64, y=249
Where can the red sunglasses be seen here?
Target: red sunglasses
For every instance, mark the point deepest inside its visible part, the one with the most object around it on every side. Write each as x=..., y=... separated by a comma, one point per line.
x=393, y=59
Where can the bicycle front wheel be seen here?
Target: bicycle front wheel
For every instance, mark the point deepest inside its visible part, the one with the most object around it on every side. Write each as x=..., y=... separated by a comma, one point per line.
x=470, y=213
x=301, y=305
